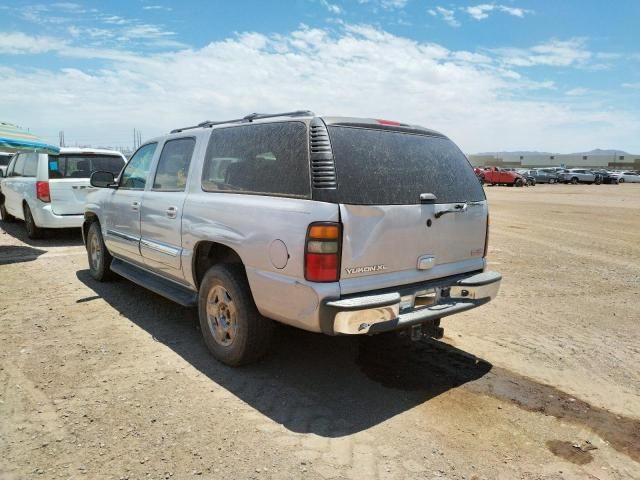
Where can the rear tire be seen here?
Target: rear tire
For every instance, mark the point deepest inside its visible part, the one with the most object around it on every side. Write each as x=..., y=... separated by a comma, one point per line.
x=233, y=330
x=552, y=181
x=574, y=181
x=621, y=180
x=4, y=215
x=98, y=255
x=33, y=231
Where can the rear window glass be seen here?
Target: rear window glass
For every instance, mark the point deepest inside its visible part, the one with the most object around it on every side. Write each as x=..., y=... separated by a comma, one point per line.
x=4, y=160
x=267, y=159
x=82, y=166
x=378, y=167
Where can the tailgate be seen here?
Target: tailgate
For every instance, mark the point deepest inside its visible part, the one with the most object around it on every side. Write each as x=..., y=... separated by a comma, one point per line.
x=68, y=195
x=394, y=189
x=385, y=246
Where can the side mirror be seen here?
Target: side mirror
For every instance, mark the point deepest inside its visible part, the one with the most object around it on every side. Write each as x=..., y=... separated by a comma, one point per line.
x=102, y=180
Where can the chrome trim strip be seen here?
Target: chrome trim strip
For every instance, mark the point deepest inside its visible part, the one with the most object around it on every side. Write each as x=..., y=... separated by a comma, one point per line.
x=123, y=236
x=160, y=247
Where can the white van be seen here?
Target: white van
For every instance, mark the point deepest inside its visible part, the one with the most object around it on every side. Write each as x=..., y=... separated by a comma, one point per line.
x=49, y=191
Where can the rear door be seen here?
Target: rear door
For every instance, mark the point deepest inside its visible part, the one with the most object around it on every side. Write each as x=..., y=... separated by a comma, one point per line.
x=390, y=236
x=69, y=179
x=161, y=211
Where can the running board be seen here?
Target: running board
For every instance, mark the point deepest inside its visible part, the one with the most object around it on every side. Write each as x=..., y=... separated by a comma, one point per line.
x=181, y=295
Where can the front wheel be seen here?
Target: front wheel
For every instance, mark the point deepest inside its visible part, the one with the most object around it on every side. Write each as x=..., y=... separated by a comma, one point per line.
x=574, y=181
x=98, y=255
x=233, y=329
x=518, y=182
x=552, y=181
x=621, y=180
x=33, y=231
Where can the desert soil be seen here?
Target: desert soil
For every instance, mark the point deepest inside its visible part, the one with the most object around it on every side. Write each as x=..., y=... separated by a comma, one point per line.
x=110, y=381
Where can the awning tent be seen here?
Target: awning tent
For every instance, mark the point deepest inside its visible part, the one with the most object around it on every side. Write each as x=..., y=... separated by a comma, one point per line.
x=14, y=139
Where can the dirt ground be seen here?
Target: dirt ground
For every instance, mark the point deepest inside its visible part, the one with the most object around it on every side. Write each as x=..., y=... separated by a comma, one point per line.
x=112, y=381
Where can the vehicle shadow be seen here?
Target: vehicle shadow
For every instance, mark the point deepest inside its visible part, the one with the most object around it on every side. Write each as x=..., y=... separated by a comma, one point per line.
x=59, y=237
x=309, y=383
x=18, y=253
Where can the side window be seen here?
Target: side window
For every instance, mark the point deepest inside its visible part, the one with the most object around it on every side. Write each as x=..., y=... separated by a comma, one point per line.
x=173, y=166
x=30, y=165
x=134, y=175
x=18, y=167
x=268, y=159
x=12, y=165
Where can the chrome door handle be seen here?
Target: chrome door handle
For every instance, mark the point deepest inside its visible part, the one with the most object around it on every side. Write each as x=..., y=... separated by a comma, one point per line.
x=135, y=206
x=172, y=212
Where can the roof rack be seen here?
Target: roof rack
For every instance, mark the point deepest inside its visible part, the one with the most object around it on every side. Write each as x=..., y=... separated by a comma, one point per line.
x=248, y=118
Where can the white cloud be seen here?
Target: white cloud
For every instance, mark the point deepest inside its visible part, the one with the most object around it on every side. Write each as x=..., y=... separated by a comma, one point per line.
x=19, y=43
x=481, y=11
x=394, y=4
x=358, y=71
x=157, y=7
x=558, y=53
x=449, y=16
x=332, y=7
x=631, y=85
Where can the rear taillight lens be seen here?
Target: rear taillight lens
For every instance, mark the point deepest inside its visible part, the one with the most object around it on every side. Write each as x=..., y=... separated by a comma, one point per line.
x=486, y=238
x=322, y=252
x=42, y=191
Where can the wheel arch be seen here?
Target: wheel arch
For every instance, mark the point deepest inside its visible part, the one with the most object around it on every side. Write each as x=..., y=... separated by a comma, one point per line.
x=208, y=253
x=89, y=218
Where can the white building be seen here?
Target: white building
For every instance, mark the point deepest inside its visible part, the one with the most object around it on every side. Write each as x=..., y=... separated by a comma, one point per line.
x=594, y=159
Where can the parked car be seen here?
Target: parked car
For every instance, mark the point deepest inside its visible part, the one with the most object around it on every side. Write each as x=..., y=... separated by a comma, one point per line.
x=48, y=191
x=5, y=158
x=501, y=176
x=542, y=176
x=608, y=177
x=530, y=180
x=579, y=175
x=628, y=177
x=345, y=226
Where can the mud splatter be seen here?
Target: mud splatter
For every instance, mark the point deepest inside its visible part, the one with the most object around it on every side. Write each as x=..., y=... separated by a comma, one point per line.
x=569, y=452
x=435, y=366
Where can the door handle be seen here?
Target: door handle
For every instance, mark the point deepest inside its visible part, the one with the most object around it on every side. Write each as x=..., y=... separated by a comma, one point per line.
x=135, y=206
x=172, y=212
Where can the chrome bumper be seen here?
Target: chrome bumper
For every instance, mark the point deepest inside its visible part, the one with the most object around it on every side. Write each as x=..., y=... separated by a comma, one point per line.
x=392, y=311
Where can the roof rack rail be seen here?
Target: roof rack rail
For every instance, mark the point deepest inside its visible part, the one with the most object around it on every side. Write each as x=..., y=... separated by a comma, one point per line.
x=248, y=118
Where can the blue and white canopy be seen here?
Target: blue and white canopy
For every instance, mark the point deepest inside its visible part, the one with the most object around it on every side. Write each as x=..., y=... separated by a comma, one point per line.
x=14, y=139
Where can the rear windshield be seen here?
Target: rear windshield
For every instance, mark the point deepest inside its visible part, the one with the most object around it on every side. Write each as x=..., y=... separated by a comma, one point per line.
x=82, y=165
x=378, y=167
x=5, y=159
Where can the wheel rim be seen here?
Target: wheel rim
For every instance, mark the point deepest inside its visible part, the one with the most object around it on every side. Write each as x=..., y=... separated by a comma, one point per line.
x=95, y=252
x=221, y=316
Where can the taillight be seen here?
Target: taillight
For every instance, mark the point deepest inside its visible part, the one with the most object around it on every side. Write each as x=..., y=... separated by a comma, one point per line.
x=322, y=252
x=486, y=238
x=42, y=191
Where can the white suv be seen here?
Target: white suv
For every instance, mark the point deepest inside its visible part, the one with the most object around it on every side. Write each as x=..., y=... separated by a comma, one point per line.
x=48, y=191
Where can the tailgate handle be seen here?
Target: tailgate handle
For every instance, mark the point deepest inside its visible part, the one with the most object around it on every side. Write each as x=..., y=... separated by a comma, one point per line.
x=427, y=198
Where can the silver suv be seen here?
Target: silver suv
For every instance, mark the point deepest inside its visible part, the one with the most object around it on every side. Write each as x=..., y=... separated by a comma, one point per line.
x=335, y=225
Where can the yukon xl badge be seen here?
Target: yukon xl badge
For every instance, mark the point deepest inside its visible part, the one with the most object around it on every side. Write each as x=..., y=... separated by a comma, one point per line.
x=367, y=269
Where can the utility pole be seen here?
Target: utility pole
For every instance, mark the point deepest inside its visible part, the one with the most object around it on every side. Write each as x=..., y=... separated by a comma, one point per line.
x=61, y=138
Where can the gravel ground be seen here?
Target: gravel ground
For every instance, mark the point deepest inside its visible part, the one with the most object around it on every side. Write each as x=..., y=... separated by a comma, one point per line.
x=112, y=381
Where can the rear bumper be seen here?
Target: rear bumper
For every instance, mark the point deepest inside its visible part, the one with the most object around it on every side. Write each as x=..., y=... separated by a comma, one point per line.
x=394, y=310
x=45, y=218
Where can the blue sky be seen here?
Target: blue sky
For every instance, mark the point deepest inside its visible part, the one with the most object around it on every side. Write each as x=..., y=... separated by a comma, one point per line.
x=508, y=75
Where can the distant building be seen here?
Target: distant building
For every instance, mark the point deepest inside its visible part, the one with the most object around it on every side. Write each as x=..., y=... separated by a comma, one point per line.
x=593, y=159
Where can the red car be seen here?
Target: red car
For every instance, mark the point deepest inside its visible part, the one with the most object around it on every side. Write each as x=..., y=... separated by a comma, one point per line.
x=497, y=176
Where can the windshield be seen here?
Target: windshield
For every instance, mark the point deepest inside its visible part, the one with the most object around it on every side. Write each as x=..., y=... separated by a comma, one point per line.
x=382, y=167
x=83, y=165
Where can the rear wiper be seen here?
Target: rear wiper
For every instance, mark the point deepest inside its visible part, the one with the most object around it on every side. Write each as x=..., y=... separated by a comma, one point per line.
x=459, y=207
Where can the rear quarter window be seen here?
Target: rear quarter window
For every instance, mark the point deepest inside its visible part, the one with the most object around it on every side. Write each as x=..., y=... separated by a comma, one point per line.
x=264, y=159
x=82, y=165
x=381, y=167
